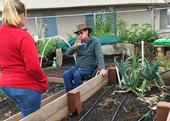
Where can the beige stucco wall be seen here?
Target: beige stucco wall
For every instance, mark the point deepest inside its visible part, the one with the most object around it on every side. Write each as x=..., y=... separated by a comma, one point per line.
x=30, y=24
x=66, y=25
x=34, y=4
x=46, y=4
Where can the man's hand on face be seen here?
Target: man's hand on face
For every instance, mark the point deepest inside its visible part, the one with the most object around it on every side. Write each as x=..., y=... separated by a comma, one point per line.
x=78, y=42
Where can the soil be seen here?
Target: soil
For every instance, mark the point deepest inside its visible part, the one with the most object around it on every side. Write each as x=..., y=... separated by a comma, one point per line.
x=132, y=108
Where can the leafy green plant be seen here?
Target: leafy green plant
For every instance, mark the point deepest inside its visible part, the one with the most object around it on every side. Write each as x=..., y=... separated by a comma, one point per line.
x=135, y=33
x=150, y=72
x=54, y=43
x=122, y=30
x=40, y=46
x=130, y=73
x=137, y=77
x=104, y=23
x=2, y=96
x=163, y=62
x=147, y=34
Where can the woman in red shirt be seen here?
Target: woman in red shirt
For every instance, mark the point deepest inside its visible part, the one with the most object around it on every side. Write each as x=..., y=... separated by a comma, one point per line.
x=22, y=78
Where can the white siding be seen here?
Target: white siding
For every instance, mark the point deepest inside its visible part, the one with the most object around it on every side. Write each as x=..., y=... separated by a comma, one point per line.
x=45, y=4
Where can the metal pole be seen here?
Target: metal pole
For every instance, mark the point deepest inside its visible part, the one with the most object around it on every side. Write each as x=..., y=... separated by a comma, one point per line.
x=36, y=25
x=153, y=19
x=94, y=21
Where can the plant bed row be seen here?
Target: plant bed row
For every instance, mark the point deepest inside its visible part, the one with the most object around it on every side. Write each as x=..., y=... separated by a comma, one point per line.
x=132, y=109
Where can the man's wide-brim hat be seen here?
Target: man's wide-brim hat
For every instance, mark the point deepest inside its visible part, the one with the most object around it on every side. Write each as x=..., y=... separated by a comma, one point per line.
x=83, y=27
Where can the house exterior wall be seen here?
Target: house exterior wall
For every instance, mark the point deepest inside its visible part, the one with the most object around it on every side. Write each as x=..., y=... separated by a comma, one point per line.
x=66, y=25
x=163, y=20
x=141, y=17
x=38, y=4
x=47, y=4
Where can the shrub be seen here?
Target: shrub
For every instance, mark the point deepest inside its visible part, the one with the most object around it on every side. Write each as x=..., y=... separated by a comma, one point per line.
x=135, y=33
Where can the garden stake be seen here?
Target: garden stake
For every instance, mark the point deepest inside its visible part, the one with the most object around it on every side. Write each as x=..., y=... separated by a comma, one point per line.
x=112, y=76
x=74, y=102
x=154, y=119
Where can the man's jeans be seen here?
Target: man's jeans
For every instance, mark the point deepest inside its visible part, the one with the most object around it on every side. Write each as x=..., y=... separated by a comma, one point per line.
x=75, y=76
x=27, y=100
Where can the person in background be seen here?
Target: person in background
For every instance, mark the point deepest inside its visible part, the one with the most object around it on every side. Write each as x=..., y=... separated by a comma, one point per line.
x=22, y=79
x=88, y=56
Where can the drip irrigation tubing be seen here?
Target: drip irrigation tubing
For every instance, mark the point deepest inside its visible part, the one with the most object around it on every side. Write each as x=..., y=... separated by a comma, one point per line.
x=150, y=111
x=3, y=103
x=154, y=119
x=120, y=105
x=95, y=103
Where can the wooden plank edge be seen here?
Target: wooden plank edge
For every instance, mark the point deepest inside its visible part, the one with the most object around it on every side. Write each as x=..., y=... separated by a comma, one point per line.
x=59, y=106
x=48, y=110
x=17, y=116
x=53, y=97
x=59, y=115
x=56, y=80
x=168, y=118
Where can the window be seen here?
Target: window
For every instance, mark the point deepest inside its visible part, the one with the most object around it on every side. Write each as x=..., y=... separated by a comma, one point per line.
x=102, y=23
x=89, y=19
x=168, y=18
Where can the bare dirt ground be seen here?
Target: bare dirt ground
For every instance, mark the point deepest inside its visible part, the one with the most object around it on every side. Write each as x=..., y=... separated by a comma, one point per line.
x=132, y=109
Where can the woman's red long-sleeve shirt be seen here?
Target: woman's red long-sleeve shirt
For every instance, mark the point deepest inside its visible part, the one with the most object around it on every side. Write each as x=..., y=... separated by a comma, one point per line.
x=19, y=60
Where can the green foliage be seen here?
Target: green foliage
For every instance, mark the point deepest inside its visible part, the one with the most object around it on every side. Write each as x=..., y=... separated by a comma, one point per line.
x=54, y=43
x=137, y=77
x=136, y=33
x=122, y=31
x=104, y=23
x=163, y=62
x=147, y=33
x=2, y=96
x=103, y=27
x=40, y=46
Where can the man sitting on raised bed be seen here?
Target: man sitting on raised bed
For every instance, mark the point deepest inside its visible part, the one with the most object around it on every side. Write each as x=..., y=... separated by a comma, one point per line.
x=89, y=56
